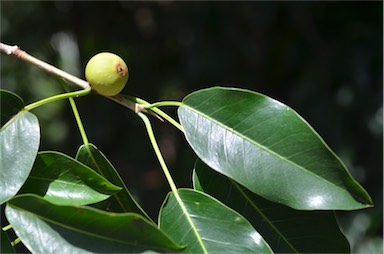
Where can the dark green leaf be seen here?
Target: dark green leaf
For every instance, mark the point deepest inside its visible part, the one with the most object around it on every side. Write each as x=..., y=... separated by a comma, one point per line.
x=19, y=142
x=286, y=230
x=66, y=181
x=119, y=202
x=5, y=243
x=10, y=105
x=48, y=228
x=268, y=148
x=205, y=225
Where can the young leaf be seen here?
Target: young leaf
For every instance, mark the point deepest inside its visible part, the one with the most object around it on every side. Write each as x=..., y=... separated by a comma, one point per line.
x=65, y=181
x=204, y=225
x=286, y=230
x=268, y=148
x=122, y=201
x=19, y=142
x=69, y=229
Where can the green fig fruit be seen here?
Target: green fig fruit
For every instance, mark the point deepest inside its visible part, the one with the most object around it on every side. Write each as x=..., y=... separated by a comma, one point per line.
x=107, y=73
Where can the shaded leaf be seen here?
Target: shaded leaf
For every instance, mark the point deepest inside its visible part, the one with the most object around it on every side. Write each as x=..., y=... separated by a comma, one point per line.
x=122, y=201
x=19, y=143
x=63, y=180
x=10, y=105
x=268, y=148
x=285, y=229
x=205, y=225
x=5, y=243
x=48, y=228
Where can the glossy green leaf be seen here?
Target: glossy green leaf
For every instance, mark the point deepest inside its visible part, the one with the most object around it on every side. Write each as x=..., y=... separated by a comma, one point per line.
x=285, y=229
x=268, y=148
x=10, y=105
x=19, y=143
x=63, y=180
x=48, y=228
x=122, y=201
x=204, y=225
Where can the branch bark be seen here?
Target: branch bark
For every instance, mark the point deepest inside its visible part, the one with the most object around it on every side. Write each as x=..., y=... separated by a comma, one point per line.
x=21, y=54
x=17, y=52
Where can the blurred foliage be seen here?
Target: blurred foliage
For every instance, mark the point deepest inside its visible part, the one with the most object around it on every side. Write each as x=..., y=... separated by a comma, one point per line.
x=324, y=59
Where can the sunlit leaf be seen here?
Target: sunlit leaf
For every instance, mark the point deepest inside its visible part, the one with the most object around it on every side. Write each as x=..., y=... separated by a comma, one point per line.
x=268, y=148
x=285, y=229
x=63, y=180
x=19, y=143
x=44, y=227
x=205, y=225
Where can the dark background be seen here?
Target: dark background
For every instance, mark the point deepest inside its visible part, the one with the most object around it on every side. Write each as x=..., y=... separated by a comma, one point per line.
x=324, y=59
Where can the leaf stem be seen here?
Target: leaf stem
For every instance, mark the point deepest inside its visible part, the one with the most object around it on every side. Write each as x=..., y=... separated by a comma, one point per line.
x=166, y=171
x=159, y=156
x=58, y=97
x=168, y=118
x=16, y=241
x=159, y=111
x=163, y=103
x=78, y=119
x=6, y=228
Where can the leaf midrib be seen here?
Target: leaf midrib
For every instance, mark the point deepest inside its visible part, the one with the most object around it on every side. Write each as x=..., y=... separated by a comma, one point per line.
x=81, y=231
x=117, y=197
x=189, y=219
x=71, y=183
x=259, y=145
x=263, y=215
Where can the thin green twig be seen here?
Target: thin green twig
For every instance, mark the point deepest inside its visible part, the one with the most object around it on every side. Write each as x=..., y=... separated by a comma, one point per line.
x=58, y=97
x=159, y=111
x=167, y=173
x=168, y=118
x=78, y=119
x=16, y=241
x=156, y=148
x=163, y=103
x=8, y=227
